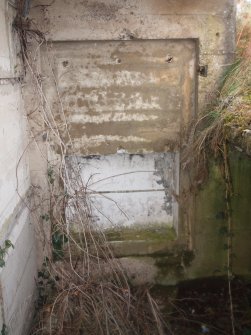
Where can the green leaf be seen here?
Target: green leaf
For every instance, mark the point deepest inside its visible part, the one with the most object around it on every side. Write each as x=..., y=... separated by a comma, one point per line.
x=40, y=274
x=65, y=239
x=4, y=330
x=45, y=217
x=2, y=263
x=46, y=274
x=8, y=244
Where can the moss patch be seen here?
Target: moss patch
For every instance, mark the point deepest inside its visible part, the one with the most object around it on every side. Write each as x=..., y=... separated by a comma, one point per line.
x=211, y=228
x=240, y=166
x=159, y=232
x=210, y=256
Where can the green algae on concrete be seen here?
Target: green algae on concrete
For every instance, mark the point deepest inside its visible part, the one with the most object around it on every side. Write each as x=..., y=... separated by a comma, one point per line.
x=240, y=167
x=173, y=262
x=171, y=268
x=163, y=255
x=138, y=241
x=211, y=226
x=136, y=233
x=210, y=256
x=159, y=269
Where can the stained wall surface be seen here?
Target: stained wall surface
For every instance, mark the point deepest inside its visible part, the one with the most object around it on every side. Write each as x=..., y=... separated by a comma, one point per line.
x=133, y=95
x=130, y=190
x=211, y=23
x=124, y=76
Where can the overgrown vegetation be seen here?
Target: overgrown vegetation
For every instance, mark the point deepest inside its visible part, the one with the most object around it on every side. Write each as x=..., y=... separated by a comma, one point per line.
x=83, y=288
x=87, y=292
x=4, y=250
x=228, y=122
x=229, y=116
x=4, y=330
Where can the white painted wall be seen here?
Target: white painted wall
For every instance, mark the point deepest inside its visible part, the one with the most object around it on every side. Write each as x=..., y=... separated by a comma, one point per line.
x=5, y=62
x=129, y=190
x=17, y=284
x=14, y=170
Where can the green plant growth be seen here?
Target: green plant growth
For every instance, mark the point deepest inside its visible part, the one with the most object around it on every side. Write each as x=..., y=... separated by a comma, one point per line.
x=229, y=114
x=45, y=217
x=58, y=241
x=50, y=174
x=4, y=330
x=4, y=251
x=46, y=284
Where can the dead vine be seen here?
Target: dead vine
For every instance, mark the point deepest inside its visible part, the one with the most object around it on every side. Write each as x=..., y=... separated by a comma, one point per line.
x=83, y=288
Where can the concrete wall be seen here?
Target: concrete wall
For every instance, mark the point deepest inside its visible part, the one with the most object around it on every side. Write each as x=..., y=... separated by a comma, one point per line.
x=17, y=282
x=212, y=23
x=94, y=46
x=127, y=80
x=133, y=95
x=133, y=191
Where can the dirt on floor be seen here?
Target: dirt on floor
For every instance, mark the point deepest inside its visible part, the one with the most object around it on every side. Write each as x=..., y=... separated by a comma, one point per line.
x=203, y=307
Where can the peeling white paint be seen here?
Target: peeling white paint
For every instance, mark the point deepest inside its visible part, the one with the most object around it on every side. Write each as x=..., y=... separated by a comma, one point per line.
x=137, y=102
x=103, y=78
x=83, y=118
x=133, y=87
x=95, y=140
x=126, y=190
x=103, y=101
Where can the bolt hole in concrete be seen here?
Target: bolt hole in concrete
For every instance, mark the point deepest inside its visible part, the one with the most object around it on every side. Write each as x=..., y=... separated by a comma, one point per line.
x=65, y=63
x=169, y=59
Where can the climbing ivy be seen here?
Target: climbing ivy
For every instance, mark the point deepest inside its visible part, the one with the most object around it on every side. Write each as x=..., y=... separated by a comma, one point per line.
x=4, y=251
x=58, y=241
x=4, y=330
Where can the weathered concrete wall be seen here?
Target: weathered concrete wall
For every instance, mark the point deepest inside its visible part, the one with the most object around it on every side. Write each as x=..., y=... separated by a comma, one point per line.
x=133, y=95
x=127, y=81
x=212, y=23
x=17, y=283
x=127, y=71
